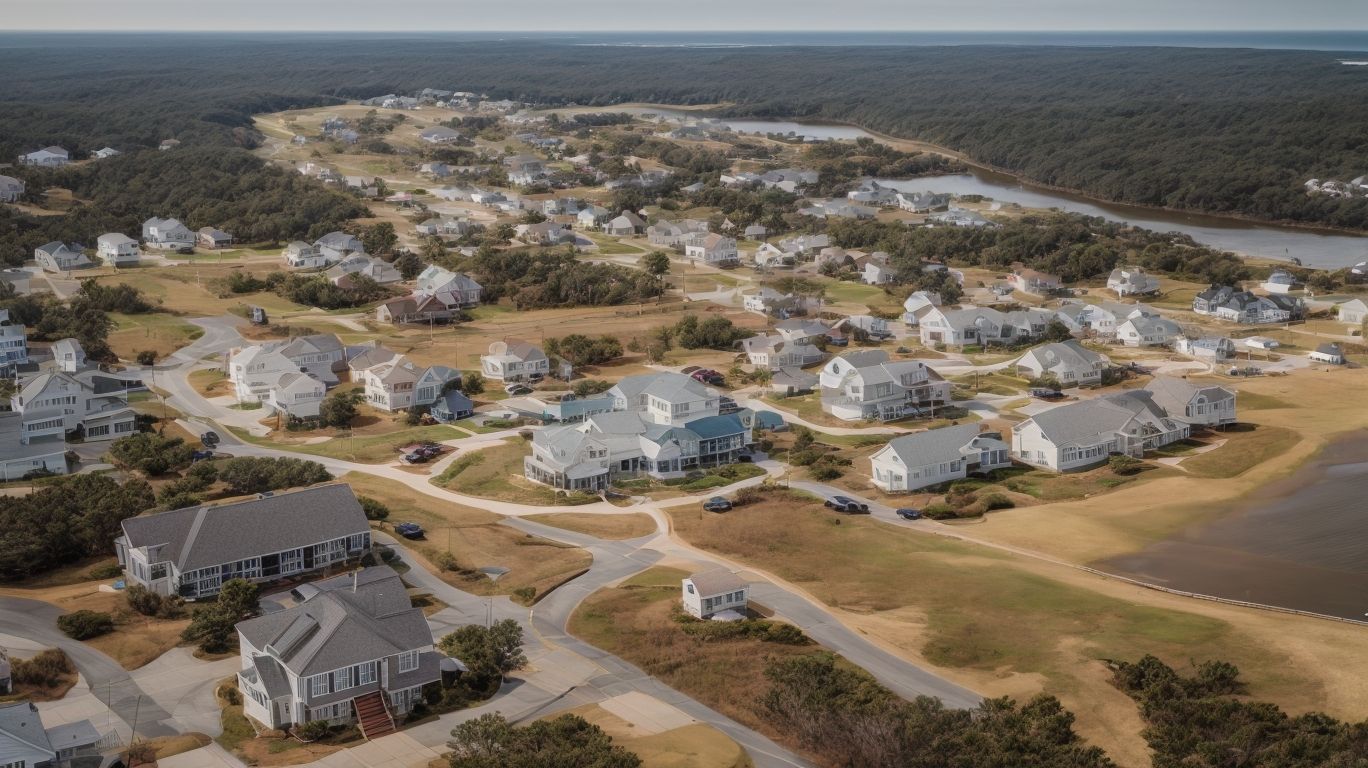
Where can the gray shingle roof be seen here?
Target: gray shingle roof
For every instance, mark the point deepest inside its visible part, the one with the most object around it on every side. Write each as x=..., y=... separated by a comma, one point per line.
x=196, y=537
x=718, y=581
x=935, y=445
x=20, y=721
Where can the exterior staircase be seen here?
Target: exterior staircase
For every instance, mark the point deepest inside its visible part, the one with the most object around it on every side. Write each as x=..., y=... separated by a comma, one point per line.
x=373, y=716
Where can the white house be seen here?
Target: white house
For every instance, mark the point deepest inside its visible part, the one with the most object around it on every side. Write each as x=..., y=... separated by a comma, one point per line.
x=191, y=551
x=1086, y=433
x=105, y=153
x=296, y=395
x=1033, y=282
x=440, y=134
x=981, y=325
x=514, y=360
x=1279, y=281
x=167, y=234
x=1215, y=348
x=399, y=383
x=373, y=267
x=301, y=255
x=1132, y=281
x=1148, y=331
x=60, y=257
x=792, y=346
x=711, y=249
x=625, y=225
x=26, y=743
x=1069, y=362
x=336, y=246
x=456, y=289
x=1206, y=405
x=13, y=341
x=1327, y=353
x=708, y=593
x=918, y=304
x=767, y=301
x=47, y=157
x=56, y=403
x=117, y=249
x=256, y=369
x=878, y=272
x=355, y=649
x=11, y=189
x=936, y=456
x=1352, y=312
x=866, y=385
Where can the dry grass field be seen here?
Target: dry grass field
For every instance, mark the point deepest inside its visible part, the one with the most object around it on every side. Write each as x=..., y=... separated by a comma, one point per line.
x=613, y=527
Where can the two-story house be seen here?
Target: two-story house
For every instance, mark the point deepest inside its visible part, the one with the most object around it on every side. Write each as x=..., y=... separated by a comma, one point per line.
x=13, y=341
x=1204, y=405
x=116, y=249
x=399, y=383
x=712, y=249
x=60, y=257
x=354, y=650
x=514, y=360
x=1068, y=362
x=936, y=456
x=296, y=395
x=56, y=404
x=191, y=551
x=1132, y=281
x=254, y=370
x=335, y=246
x=866, y=385
x=1086, y=433
x=301, y=255
x=167, y=234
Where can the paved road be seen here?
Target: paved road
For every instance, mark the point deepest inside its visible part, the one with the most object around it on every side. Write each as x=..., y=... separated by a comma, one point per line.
x=109, y=682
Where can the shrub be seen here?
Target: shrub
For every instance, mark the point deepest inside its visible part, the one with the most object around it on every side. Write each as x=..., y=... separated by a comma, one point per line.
x=312, y=730
x=997, y=501
x=44, y=670
x=1124, y=465
x=105, y=571
x=940, y=511
x=374, y=509
x=751, y=494
x=151, y=453
x=524, y=595
x=143, y=600
x=83, y=625
x=231, y=695
x=824, y=471
x=446, y=561
x=147, y=357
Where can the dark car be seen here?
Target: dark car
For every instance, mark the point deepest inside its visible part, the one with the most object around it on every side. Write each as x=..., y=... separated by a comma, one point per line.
x=409, y=530
x=745, y=458
x=717, y=504
x=201, y=456
x=708, y=377
x=429, y=451
x=1046, y=394
x=907, y=513
x=847, y=505
x=414, y=458
x=838, y=341
x=209, y=439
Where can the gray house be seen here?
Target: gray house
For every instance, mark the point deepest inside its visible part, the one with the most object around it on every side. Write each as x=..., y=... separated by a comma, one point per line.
x=60, y=257
x=25, y=743
x=190, y=552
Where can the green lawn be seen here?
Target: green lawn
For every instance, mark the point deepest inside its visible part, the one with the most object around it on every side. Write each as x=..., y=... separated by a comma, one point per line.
x=497, y=473
x=1246, y=447
x=365, y=449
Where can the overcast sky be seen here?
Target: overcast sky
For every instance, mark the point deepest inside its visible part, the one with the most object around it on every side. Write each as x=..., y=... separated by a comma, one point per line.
x=690, y=15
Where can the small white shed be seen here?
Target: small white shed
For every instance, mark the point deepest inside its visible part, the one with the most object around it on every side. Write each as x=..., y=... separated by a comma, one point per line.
x=714, y=591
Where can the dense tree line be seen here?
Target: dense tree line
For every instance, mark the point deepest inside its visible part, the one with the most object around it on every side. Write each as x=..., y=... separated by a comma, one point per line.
x=1223, y=130
x=215, y=186
x=1206, y=720
x=844, y=716
x=66, y=520
x=841, y=163
x=48, y=318
x=1073, y=246
x=538, y=278
x=490, y=741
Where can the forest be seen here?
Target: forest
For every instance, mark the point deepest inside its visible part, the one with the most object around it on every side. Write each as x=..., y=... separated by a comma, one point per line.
x=1229, y=131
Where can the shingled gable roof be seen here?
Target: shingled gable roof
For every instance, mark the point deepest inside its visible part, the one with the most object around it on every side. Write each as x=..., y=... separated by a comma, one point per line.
x=353, y=618
x=196, y=537
x=718, y=581
x=934, y=446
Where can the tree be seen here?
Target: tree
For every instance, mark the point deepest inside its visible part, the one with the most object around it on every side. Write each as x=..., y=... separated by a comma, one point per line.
x=83, y=624
x=490, y=741
x=490, y=653
x=587, y=387
x=379, y=239
x=212, y=627
x=1057, y=331
x=472, y=383
x=66, y=520
x=374, y=509
x=151, y=453
x=583, y=350
x=409, y=264
x=339, y=409
x=656, y=263
x=253, y=474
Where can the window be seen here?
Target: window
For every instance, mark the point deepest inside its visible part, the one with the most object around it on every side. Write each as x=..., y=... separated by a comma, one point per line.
x=408, y=661
x=365, y=674
x=342, y=679
x=318, y=685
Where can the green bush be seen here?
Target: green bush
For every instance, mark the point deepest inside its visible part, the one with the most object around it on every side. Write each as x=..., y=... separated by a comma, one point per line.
x=44, y=670
x=374, y=509
x=997, y=501
x=524, y=595
x=105, y=571
x=1124, y=465
x=446, y=561
x=83, y=625
x=312, y=730
x=940, y=511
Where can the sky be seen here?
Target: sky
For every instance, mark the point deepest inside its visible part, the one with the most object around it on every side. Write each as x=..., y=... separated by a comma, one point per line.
x=690, y=15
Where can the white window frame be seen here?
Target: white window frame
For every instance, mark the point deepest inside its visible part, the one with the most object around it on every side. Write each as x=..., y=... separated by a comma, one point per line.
x=314, y=683
x=408, y=661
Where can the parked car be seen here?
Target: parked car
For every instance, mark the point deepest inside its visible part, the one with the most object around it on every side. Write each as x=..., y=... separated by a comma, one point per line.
x=414, y=458
x=201, y=456
x=907, y=513
x=708, y=376
x=209, y=439
x=517, y=389
x=1045, y=393
x=847, y=505
x=745, y=457
x=838, y=341
x=429, y=450
x=717, y=504
x=409, y=530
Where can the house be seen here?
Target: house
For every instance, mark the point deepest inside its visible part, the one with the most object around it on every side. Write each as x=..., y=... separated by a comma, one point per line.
x=26, y=743
x=1034, y=282
x=792, y=346
x=301, y=255
x=756, y=232
x=256, y=369
x=167, y=234
x=1215, y=348
x=839, y=209
x=373, y=267
x=936, y=456
x=1279, y=281
x=443, y=226
x=451, y=406
x=770, y=256
x=335, y=246
x=712, y=249
x=414, y=308
x=1131, y=281
x=866, y=384
x=47, y=157
x=355, y=649
x=191, y=551
x=709, y=593
x=1086, y=433
x=11, y=189
x=440, y=134
x=663, y=425
x=68, y=355
x=60, y=257
x=917, y=305
x=458, y=288
x=1068, y=362
x=543, y=233
x=211, y=238
x=874, y=193
x=514, y=360
x=592, y=216
x=878, y=272
x=625, y=224
x=1100, y=319
x=806, y=243
x=1327, y=353
x=13, y=341
x=116, y=249
x=1199, y=405
x=922, y=202
x=767, y=301
x=675, y=233
x=981, y=325
x=874, y=327
x=959, y=217
x=56, y=404
x=399, y=383
x=1352, y=312
x=21, y=455
x=1148, y=331
x=438, y=296
x=1227, y=303
x=296, y=395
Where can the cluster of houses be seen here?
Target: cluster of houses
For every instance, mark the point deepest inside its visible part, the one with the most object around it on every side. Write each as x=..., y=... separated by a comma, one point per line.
x=291, y=377
x=115, y=249
x=439, y=296
x=1224, y=302
x=1356, y=187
